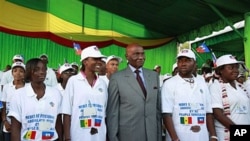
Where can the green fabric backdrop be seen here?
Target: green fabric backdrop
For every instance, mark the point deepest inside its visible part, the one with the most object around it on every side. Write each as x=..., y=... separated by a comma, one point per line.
x=33, y=47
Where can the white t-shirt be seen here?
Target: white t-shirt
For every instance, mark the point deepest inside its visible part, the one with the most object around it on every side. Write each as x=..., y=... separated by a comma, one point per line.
x=238, y=101
x=38, y=117
x=60, y=88
x=189, y=104
x=105, y=78
x=7, y=77
x=161, y=80
x=8, y=92
x=50, y=79
x=1, y=75
x=87, y=107
x=247, y=85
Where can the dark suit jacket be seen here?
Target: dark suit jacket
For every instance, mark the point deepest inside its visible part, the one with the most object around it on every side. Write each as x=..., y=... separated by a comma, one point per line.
x=131, y=116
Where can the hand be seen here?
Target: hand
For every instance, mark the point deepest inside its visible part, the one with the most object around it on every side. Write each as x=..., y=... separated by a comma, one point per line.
x=195, y=128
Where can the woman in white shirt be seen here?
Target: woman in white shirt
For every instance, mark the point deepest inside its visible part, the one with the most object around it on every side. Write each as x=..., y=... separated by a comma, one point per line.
x=230, y=101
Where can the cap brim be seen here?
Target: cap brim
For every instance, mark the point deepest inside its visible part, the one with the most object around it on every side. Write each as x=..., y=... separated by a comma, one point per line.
x=238, y=62
x=99, y=56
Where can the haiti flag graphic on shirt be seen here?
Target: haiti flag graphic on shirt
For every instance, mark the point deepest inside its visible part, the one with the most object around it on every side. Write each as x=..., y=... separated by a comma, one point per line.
x=200, y=120
x=98, y=122
x=186, y=120
x=47, y=135
x=30, y=135
x=85, y=123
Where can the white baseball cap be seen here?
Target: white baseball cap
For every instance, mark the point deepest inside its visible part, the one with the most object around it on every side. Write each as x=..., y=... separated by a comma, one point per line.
x=91, y=51
x=186, y=53
x=64, y=67
x=113, y=57
x=18, y=57
x=241, y=75
x=18, y=64
x=208, y=75
x=156, y=66
x=226, y=60
x=104, y=60
x=74, y=64
x=174, y=66
x=43, y=55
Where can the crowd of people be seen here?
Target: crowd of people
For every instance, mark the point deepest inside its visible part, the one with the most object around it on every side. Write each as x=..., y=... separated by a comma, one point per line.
x=94, y=101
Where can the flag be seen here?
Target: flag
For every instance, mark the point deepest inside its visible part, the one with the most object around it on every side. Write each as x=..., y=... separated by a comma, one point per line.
x=47, y=135
x=200, y=120
x=186, y=120
x=214, y=58
x=77, y=48
x=85, y=123
x=98, y=122
x=30, y=135
x=202, y=48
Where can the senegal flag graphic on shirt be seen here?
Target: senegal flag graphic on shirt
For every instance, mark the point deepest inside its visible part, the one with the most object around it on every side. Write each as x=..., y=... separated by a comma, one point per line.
x=186, y=120
x=30, y=135
x=85, y=123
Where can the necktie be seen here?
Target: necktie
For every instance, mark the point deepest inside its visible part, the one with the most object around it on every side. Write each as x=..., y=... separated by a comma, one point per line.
x=138, y=78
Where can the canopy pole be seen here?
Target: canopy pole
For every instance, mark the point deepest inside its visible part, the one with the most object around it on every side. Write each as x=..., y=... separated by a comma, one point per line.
x=247, y=42
x=225, y=19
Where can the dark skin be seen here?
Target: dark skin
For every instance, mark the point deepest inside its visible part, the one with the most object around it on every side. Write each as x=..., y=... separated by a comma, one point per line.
x=102, y=69
x=135, y=55
x=91, y=66
x=18, y=75
x=111, y=67
x=185, y=68
x=65, y=76
x=38, y=76
x=228, y=74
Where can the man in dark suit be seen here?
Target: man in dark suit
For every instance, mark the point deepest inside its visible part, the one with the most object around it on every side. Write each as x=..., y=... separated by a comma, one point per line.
x=132, y=114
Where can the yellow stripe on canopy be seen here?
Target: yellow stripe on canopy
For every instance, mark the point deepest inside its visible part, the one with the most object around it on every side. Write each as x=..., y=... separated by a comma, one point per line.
x=29, y=20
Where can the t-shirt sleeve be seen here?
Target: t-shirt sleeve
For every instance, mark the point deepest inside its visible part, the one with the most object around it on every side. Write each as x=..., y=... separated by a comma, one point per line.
x=15, y=107
x=4, y=93
x=167, y=98
x=216, y=96
x=66, y=106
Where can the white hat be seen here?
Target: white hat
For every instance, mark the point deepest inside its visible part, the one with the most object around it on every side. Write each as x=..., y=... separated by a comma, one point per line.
x=18, y=57
x=174, y=66
x=43, y=55
x=208, y=75
x=104, y=60
x=91, y=51
x=167, y=76
x=74, y=64
x=186, y=53
x=64, y=67
x=226, y=59
x=241, y=75
x=156, y=66
x=18, y=64
x=114, y=57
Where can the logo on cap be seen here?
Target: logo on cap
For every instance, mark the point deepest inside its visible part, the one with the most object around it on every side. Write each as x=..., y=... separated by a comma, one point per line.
x=184, y=51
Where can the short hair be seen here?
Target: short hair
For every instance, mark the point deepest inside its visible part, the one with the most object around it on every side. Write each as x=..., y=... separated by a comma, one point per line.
x=30, y=67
